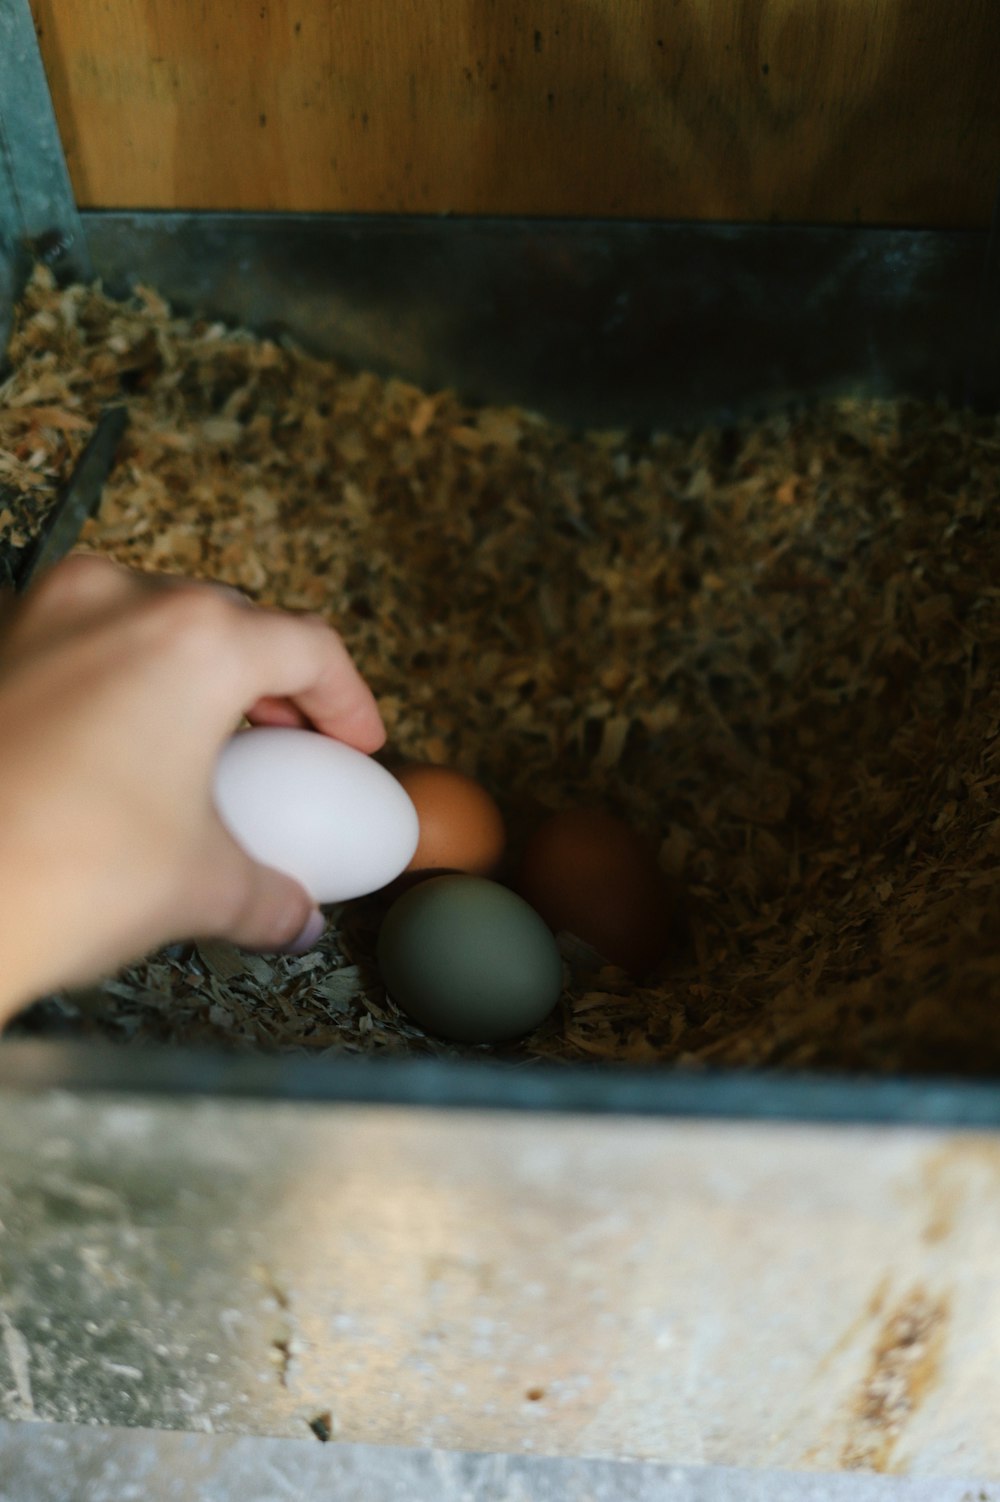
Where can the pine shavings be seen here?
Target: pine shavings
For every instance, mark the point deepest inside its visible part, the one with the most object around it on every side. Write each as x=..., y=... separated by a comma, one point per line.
x=771, y=647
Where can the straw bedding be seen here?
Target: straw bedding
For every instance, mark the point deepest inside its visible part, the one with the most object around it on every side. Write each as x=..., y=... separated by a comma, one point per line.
x=772, y=648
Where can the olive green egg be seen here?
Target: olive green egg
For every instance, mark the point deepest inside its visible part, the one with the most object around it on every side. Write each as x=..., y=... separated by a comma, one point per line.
x=469, y=960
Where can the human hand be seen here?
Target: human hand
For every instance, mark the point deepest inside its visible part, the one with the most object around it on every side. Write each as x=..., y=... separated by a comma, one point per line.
x=117, y=692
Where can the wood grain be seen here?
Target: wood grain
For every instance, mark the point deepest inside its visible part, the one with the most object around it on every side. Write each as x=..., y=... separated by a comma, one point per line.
x=876, y=111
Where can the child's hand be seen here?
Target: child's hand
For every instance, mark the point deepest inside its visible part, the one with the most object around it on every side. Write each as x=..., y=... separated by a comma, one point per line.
x=116, y=693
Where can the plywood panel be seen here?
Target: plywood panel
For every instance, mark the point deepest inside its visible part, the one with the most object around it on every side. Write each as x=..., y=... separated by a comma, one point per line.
x=884, y=111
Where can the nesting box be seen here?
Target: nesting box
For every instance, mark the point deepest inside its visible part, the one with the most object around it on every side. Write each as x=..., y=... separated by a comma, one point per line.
x=623, y=386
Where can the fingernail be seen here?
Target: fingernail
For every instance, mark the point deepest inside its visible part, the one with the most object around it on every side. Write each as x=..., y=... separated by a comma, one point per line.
x=236, y=595
x=309, y=937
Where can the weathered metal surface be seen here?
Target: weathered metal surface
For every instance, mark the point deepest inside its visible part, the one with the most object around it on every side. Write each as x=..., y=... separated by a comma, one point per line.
x=141, y=1465
x=37, y=207
x=786, y=1298
x=632, y=325
x=8, y=293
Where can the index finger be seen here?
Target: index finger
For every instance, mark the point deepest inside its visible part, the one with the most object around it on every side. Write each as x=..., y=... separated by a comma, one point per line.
x=302, y=659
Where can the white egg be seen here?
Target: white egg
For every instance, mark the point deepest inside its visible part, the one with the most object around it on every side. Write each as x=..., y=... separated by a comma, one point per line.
x=316, y=809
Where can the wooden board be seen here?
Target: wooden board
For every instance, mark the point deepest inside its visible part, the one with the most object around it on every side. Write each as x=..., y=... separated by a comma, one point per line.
x=875, y=111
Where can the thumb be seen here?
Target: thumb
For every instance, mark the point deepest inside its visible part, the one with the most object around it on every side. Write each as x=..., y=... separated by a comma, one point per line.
x=264, y=909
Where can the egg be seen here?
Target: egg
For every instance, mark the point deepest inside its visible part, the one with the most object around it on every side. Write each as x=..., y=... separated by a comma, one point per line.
x=469, y=960
x=315, y=809
x=461, y=827
x=588, y=874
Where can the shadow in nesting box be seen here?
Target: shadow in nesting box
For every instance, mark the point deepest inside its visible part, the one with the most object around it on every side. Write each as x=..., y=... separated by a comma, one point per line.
x=634, y=325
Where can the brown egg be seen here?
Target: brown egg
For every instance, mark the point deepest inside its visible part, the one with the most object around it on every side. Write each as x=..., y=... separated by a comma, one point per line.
x=461, y=827
x=590, y=875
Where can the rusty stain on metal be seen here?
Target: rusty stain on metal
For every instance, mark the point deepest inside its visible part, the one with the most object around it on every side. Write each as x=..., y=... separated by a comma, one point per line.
x=952, y=1175
x=904, y=1365
x=851, y=1332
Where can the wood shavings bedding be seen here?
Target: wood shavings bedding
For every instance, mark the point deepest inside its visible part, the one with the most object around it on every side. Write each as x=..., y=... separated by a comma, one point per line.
x=772, y=647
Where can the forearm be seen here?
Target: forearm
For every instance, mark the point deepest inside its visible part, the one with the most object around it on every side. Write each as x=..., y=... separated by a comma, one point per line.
x=21, y=944
x=41, y=932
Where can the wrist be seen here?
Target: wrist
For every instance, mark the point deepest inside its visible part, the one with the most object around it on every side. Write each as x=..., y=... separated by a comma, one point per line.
x=18, y=987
